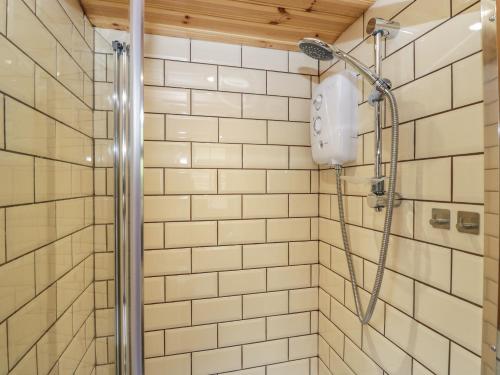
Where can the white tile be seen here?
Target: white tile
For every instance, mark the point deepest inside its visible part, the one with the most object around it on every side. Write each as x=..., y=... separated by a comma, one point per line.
x=164, y=47
x=215, y=53
x=288, y=84
x=264, y=58
x=251, y=81
x=265, y=107
x=468, y=80
x=189, y=75
x=213, y=103
x=299, y=62
x=463, y=362
x=467, y=280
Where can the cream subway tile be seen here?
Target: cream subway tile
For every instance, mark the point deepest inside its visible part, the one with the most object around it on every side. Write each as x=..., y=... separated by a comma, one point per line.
x=164, y=47
x=153, y=344
x=221, y=258
x=323, y=352
x=406, y=144
x=215, y=53
x=403, y=217
x=265, y=206
x=153, y=235
x=265, y=304
x=26, y=31
x=167, y=154
x=154, y=127
x=103, y=153
x=51, y=262
x=264, y=156
x=242, y=131
x=3, y=25
x=26, y=365
x=153, y=181
x=462, y=129
x=452, y=317
x=88, y=91
x=359, y=361
x=265, y=255
x=385, y=353
x=210, y=361
x=18, y=73
x=324, y=254
x=177, y=364
x=70, y=286
x=396, y=289
x=289, y=368
x=453, y=238
x=190, y=339
x=191, y=181
x=425, y=96
x=303, y=205
x=2, y=121
x=438, y=47
x=17, y=284
x=303, y=347
x=167, y=262
x=242, y=332
x=191, y=128
x=331, y=334
x=291, y=277
x=54, y=17
x=265, y=107
x=215, y=310
x=425, y=345
x=18, y=179
x=467, y=78
x=301, y=158
x=348, y=322
x=288, y=181
x=213, y=155
x=242, y=282
x=81, y=52
x=166, y=100
x=202, y=233
x=189, y=75
x=425, y=179
x=304, y=299
x=288, y=325
x=183, y=287
x=213, y=207
x=166, y=208
x=105, y=267
x=392, y=66
x=466, y=169
x=264, y=58
x=242, y=80
x=69, y=216
x=293, y=229
x=213, y=103
x=299, y=109
x=417, y=19
x=331, y=283
x=463, y=362
x=28, y=324
x=288, y=84
x=241, y=232
x=154, y=290
x=353, y=210
x=467, y=279
x=265, y=353
x=301, y=63
x=3, y=348
x=3, y=253
x=304, y=252
x=167, y=315
x=69, y=73
x=153, y=71
x=29, y=227
x=242, y=181
x=288, y=133
x=104, y=322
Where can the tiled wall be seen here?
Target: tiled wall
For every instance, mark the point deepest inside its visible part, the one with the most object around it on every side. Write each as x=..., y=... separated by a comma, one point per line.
x=231, y=209
x=428, y=318
x=46, y=188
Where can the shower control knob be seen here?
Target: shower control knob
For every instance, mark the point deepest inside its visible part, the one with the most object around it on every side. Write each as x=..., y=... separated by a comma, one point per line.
x=317, y=125
x=317, y=102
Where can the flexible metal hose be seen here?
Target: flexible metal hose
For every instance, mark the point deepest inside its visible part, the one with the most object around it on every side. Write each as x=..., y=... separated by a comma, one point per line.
x=365, y=317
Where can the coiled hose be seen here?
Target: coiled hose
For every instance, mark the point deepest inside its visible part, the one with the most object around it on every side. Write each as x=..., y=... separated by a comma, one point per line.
x=365, y=317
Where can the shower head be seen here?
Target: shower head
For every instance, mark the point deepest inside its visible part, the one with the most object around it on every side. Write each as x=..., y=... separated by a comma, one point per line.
x=319, y=50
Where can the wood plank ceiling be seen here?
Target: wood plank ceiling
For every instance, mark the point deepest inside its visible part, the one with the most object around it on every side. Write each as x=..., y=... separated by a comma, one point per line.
x=264, y=23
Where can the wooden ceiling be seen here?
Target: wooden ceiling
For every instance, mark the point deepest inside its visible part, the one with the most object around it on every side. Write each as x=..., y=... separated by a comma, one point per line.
x=263, y=23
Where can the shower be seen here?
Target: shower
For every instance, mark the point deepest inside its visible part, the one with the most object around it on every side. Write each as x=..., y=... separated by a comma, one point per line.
x=378, y=198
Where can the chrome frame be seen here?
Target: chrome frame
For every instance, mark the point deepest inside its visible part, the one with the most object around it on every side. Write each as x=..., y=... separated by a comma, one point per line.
x=128, y=109
x=378, y=187
x=489, y=355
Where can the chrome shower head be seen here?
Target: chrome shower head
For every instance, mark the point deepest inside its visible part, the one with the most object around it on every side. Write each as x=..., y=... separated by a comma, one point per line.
x=316, y=49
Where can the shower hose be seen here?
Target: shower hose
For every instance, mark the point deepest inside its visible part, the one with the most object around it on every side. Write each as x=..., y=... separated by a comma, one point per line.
x=365, y=317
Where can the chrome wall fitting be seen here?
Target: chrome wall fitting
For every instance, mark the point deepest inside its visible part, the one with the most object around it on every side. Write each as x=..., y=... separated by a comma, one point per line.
x=468, y=222
x=388, y=29
x=440, y=218
x=378, y=202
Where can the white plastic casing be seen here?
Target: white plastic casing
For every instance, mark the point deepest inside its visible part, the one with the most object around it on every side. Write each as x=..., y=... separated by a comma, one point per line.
x=334, y=120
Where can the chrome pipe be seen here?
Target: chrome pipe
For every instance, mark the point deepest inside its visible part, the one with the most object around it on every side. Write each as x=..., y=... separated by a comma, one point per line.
x=136, y=212
x=378, y=188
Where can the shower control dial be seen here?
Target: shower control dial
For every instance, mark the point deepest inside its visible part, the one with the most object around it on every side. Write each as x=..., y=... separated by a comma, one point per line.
x=317, y=102
x=317, y=125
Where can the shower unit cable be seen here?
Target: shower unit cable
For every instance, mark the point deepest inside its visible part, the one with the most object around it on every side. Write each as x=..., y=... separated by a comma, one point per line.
x=128, y=198
x=322, y=51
